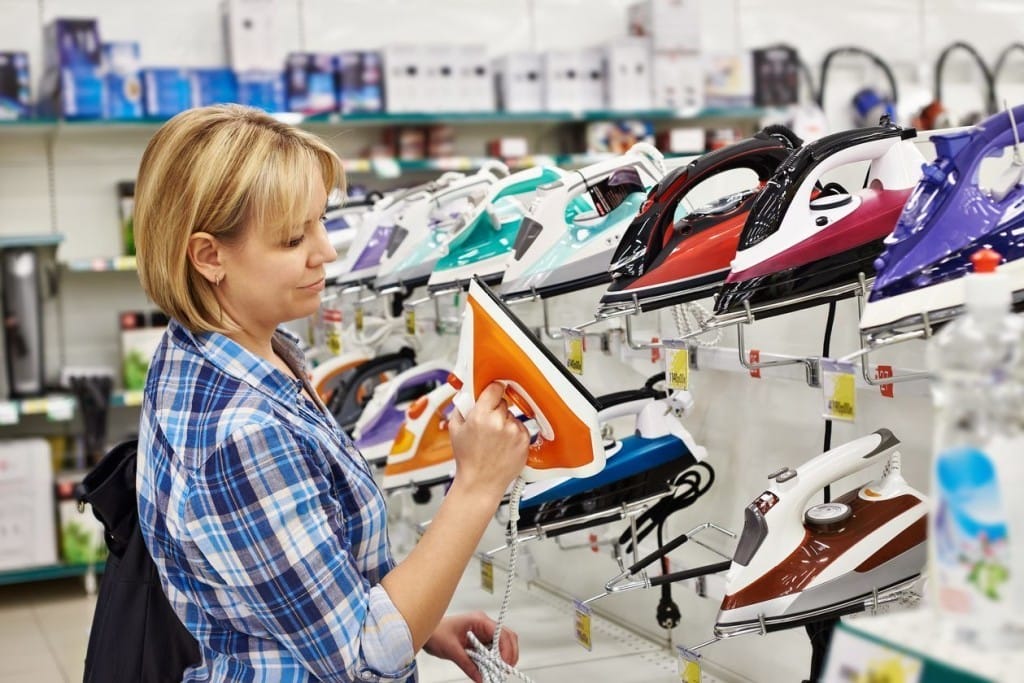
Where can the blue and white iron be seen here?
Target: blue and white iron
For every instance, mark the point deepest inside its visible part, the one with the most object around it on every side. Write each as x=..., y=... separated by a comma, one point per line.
x=375, y=430
x=483, y=245
x=424, y=228
x=342, y=219
x=567, y=239
x=951, y=214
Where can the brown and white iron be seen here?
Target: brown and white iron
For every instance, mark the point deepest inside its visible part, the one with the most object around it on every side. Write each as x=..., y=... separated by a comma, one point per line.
x=797, y=564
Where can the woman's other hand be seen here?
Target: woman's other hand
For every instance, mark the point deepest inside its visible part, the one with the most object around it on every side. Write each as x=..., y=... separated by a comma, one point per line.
x=449, y=641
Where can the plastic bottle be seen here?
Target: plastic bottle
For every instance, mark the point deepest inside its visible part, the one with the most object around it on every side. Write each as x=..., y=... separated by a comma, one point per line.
x=976, y=528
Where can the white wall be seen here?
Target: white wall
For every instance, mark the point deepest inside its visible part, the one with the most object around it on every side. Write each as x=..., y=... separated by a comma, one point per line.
x=750, y=427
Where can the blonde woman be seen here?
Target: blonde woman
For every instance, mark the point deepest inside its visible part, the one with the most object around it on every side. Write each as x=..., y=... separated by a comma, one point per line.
x=263, y=520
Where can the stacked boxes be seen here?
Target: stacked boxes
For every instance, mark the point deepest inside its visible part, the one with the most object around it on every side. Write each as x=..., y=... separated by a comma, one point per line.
x=14, y=88
x=122, y=85
x=310, y=83
x=72, y=85
x=672, y=28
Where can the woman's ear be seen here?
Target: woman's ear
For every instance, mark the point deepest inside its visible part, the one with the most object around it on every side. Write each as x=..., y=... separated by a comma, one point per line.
x=204, y=251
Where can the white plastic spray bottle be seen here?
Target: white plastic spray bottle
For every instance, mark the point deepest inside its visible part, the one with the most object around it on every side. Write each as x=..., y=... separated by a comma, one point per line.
x=976, y=529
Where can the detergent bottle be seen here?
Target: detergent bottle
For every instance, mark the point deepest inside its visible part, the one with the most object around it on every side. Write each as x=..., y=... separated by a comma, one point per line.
x=976, y=526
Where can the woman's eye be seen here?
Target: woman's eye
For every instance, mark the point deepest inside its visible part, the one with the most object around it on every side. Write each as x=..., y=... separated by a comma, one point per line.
x=323, y=218
x=294, y=241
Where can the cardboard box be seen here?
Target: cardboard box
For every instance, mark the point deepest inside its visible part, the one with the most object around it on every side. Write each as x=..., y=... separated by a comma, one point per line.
x=167, y=92
x=310, y=83
x=14, y=85
x=213, y=86
x=677, y=81
x=79, y=534
x=73, y=44
x=562, y=81
x=405, y=79
x=592, y=79
x=670, y=24
x=728, y=80
x=627, y=72
x=349, y=81
x=441, y=90
x=126, y=213
x=141, y=332
x=475, y=79
x=261, y=89
x=371, y=99
x=72, y=85
x=250, y=35
x=520, y=82
x=27, y=525
x=122, y=83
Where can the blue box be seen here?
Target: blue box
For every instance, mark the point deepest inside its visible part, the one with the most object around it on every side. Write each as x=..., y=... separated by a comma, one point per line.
x=349, y=81
x=167, y=92
x=14, y=92
x=73, y=44
x=310, y=83
x=214, y=86
x=261, y=89
x=121, y=81
x=72, y=85
x=372, y=77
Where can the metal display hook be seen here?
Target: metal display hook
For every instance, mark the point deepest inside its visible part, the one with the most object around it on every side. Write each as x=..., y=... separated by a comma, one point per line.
x=812, y=365
x=868, y=345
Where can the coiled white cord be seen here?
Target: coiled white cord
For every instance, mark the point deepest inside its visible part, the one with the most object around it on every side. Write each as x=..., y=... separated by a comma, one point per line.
x=689, y=318
x=492, y=667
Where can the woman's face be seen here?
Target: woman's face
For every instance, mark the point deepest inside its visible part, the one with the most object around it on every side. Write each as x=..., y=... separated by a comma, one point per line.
x=268, y=281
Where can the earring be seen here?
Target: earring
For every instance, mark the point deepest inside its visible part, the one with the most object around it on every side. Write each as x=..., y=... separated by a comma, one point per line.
x=220, y=277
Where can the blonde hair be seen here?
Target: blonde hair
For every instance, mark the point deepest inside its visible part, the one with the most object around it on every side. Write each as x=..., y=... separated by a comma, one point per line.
x=216, y=170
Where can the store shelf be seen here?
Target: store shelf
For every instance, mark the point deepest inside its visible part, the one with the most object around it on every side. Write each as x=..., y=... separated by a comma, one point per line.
x=44, y=240
x=911, y=643
x=101, y=265
x=48, y=572
x=60, y=407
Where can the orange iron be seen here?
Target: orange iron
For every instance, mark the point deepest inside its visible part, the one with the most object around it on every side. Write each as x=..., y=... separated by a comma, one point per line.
x=496, y=346
x=421, y=454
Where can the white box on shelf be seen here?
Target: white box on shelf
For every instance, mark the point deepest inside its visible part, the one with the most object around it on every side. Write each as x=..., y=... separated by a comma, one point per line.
x=677, y=81
x=627, y=75
x=670, y=24
x=440, y=90
x=475, y=78
x=520, y=82
x=563, y=90
x=592, y=79
x=405, y=78
x=27, y=526
x=251, y=35
x=728, y=80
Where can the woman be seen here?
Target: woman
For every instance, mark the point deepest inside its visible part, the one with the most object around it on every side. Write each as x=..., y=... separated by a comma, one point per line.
x=263, y=519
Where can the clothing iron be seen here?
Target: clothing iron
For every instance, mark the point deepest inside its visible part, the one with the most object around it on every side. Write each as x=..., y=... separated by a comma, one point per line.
x=639, y=471
x=949, y=216
x=567, y=239
x=375, y=430
x=804, y=244
x=360, y=263
x=424, y=228
x=421, y=454
x=328, y=376
x=496, y=346
x=798, y=563
x=342, y=219
x=661, y=262
x=482, y=246
x=348, y=391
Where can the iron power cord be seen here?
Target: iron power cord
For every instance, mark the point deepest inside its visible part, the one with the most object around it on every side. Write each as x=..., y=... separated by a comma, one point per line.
x=492, y=667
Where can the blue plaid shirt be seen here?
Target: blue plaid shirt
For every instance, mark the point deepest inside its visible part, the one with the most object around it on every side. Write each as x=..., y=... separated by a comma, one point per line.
x=265, y=523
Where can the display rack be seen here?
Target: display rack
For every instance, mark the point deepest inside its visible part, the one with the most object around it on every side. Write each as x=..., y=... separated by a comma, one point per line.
x=48, y=572
x=912, y=641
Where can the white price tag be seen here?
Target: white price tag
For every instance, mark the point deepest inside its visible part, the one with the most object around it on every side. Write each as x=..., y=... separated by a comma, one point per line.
x=677, y=364
x=839, y=390
x=574, y=350
x=8, y=413
x=60, y=409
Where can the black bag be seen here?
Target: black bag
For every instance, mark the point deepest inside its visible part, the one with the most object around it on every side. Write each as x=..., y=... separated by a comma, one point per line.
x=135, y=637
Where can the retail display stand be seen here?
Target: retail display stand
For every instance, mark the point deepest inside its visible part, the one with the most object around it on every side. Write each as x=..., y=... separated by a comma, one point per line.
x=908, y=647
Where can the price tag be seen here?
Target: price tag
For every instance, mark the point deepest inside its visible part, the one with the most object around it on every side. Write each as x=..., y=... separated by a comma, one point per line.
x=688, y=665
x=839, y=390
x=410, y=322
x=581, y=625
x=386, y=167
x=33, y=406
x=677, y=364
x=487, y=575
x=125, y=263
x=573, y=350
x=359, y=318
x=754, y=358
x=883, y=372
x=60, y=409
x=8, y=413
x=854, y=657
x=132, y=398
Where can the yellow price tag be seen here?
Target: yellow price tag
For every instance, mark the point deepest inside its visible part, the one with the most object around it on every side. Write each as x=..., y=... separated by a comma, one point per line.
x=688, y=665
x=487, y=575
x=581, y=625
x=359, y=318
x=573, y=350
x=34, y=406
x=132, y=398
x=677, y=366
x=410, y=322
x=839, y=390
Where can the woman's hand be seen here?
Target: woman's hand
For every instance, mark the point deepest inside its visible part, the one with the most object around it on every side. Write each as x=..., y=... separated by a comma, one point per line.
x=449, y=641
x=489, y=444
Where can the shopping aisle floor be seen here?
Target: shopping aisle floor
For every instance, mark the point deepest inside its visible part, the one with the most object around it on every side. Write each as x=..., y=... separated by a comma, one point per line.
x=44, y=631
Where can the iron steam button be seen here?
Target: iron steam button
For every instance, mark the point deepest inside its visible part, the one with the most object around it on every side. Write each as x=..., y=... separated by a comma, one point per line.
x=827, y=515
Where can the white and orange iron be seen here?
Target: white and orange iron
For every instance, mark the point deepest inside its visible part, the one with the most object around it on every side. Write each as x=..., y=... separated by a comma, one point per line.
x=496, y=346
x=421, y=454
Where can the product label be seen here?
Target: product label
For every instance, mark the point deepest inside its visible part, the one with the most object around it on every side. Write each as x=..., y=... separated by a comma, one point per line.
x=970, y=537
x=677, y=365
x=687, y=665
x=410, y=322
x=487, y=575
x=573, y=350
x=359, y=318
x=839, y=390
x=581, y=624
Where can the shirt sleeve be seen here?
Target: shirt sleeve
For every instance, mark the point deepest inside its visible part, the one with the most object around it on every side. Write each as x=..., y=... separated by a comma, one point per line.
x=263, y=515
